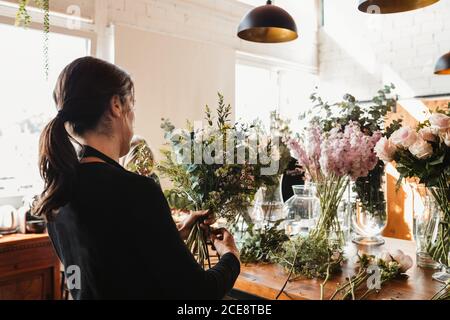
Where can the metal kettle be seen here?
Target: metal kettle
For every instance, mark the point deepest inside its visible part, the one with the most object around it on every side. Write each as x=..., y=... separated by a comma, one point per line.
x=9, y=222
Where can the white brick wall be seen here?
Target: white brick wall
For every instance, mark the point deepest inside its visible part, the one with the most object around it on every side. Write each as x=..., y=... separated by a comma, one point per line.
x=216, y=21
x=212, y=21
x=359, y=52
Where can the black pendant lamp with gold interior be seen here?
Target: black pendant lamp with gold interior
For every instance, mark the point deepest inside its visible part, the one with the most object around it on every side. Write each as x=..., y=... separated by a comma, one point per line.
x=268, y=24
x=443, y=65
x=392, y=6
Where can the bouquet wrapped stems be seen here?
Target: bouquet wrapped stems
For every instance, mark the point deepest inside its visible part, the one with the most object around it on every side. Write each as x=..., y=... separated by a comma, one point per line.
x=330, y=192
x=197, y=243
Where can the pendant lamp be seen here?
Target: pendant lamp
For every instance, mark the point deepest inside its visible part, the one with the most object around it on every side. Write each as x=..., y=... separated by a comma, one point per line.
x=392, y=6
x=443, y=65
x=268, y=24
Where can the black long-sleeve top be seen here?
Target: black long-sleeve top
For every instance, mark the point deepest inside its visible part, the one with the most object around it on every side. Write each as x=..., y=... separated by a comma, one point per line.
x=119, y=231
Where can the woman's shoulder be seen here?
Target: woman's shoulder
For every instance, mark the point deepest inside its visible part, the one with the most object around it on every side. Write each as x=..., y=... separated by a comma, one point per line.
x=117, y=176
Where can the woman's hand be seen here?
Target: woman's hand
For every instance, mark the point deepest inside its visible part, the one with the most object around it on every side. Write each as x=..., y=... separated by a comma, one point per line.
x=224, y=242
x=186, y=225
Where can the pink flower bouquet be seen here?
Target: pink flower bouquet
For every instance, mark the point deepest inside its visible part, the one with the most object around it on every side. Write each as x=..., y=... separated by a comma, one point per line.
x=330, y=160
x=424, y=153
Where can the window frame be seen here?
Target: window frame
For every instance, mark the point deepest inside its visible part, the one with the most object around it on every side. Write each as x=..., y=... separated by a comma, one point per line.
x=87, y=30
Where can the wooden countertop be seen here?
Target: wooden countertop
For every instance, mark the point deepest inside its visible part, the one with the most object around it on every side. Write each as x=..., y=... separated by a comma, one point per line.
x=266, y=281
x=22, y=239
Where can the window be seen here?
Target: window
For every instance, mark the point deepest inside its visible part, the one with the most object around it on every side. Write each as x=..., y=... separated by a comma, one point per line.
x=260, y=91
x=26, y=103
x=257, y=93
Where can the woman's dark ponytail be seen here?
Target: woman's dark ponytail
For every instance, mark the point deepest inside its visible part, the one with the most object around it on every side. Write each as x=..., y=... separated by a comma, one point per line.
x=57, y=164
x=82, y=94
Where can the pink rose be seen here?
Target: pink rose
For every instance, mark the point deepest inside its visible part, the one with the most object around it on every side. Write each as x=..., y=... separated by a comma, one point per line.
x=385, y=150
x=404, y=261
x=404, y=137
x=440, y=121
x=427, y=134
x=421, y=149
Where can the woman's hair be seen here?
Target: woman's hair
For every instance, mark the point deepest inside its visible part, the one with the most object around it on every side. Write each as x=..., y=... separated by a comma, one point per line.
x=82, y=95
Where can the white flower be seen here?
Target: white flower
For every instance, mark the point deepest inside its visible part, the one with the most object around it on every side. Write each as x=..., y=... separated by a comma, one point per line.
x=421, y=149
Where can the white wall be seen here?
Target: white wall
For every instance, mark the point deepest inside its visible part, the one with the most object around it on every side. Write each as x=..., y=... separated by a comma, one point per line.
x=216, y=21
x=360, y=52
x=199, y=37
x=175, y=78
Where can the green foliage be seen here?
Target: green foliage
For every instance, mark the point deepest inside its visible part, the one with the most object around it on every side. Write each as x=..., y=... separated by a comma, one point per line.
x=370, y=118
x=22, y=16
x=310, y=258
x=258, y=245
x=24, y=19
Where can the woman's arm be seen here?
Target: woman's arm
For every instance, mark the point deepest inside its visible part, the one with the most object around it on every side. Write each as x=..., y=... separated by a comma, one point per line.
x=167, y=258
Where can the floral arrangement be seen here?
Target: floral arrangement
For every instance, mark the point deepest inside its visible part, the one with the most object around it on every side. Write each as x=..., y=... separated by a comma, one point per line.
x=424, y=153
x=371, y=119
x=330, y=159
x=390, y=267
x=225, y=188
x=259, y=245
x=23, y=18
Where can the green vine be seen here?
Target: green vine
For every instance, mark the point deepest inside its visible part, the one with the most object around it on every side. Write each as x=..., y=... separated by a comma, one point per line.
x=23, y=18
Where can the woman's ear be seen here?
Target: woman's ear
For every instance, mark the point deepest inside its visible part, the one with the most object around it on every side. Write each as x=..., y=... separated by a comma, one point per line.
x=116, y=107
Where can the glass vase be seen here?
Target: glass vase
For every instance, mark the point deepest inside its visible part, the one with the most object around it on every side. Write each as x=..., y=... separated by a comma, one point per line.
x=369, y=214
x=330, y=193
x=268, y=208
x=432, y=230
x=425, y=225
x=439, y=246
x=301, y=210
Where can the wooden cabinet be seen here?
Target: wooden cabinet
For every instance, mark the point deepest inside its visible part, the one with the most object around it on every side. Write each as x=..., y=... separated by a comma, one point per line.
x=29, y=268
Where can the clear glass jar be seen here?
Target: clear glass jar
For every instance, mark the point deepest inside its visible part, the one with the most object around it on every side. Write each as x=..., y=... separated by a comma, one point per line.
x=301, y=210
x=268, y=206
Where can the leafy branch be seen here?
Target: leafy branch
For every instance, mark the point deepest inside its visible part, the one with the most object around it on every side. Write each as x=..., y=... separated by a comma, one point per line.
x=23, y=18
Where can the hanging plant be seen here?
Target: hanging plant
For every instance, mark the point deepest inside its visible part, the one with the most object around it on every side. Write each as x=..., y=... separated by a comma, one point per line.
x=23, y=18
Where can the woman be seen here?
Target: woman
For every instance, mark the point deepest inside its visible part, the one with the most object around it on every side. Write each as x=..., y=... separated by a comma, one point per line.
x=112, y=225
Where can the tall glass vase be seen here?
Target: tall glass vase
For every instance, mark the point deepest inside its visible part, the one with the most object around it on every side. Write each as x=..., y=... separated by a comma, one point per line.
x=432, y=229
x=425, y=225
x=369, y=216
x=439, y=247
x=330, y=192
